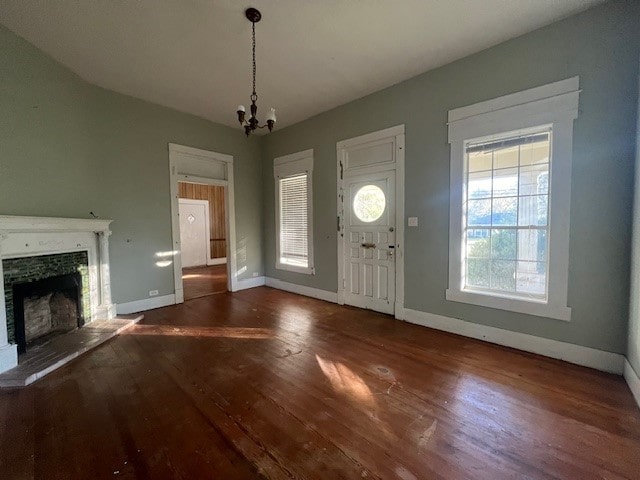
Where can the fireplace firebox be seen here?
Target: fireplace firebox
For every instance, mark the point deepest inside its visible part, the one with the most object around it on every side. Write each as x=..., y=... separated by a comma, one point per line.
x=47, y=307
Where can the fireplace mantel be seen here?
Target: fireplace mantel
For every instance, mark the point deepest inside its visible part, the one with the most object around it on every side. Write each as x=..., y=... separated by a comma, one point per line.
x=33, y=236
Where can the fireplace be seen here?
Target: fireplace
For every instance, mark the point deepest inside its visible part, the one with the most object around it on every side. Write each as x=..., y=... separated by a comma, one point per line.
x=35, y=302
x=45, y=308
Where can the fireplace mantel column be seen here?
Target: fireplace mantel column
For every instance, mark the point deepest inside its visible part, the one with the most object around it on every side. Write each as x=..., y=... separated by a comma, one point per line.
x=107, y=307
x=8, y=352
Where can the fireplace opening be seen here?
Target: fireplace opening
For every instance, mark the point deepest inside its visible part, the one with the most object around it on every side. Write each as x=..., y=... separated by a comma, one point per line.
x=46, y=308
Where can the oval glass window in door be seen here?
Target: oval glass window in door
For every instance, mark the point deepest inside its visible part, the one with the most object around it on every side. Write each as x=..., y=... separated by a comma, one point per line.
x=369, y=203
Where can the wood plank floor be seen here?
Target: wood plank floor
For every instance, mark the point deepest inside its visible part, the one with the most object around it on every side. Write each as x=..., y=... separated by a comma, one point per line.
x=202, y=281
x=267, y=384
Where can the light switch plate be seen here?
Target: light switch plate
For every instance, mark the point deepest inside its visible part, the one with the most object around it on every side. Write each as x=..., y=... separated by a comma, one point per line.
x=413, y=221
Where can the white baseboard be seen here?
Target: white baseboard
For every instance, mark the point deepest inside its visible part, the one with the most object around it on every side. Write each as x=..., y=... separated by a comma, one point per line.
x=249, y=283
x=588, y=357
x=302, y=290
x=633, y=380
x=8, y=357
x=216, y=261
x=145, y=304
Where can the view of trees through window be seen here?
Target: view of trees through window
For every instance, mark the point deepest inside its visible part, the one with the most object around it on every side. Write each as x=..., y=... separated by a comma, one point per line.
x=506, y=215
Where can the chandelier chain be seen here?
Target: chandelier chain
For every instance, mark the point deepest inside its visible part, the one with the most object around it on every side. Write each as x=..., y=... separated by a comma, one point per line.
x=253, y=24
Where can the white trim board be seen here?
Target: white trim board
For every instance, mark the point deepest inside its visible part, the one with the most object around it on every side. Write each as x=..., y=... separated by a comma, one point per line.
x=585, y=356
x=633, y=380
x=145, y=304
x=325, y=295
x=250, y=283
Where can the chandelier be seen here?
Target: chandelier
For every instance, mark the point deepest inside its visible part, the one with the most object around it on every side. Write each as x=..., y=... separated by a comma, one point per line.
x=254, y=16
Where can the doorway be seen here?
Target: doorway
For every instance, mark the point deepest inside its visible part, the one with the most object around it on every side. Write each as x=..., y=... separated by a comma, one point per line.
x=203, y=222
x=370, y=215
x=203, y=239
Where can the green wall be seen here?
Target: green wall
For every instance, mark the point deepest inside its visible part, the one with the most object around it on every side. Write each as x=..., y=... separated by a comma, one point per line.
x=633, y=348
x=601, y=46
x=68, y=148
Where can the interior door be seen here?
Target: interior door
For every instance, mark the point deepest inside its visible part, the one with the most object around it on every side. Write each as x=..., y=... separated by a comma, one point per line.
x=369, y=241
x=193, y=232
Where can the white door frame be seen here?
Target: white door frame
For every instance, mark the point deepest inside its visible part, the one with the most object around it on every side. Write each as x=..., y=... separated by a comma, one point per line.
x=181, y=160
x=396, y=134
x=207, y=223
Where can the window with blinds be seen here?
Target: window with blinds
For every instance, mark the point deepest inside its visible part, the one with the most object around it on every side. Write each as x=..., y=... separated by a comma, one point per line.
x=294, y=212
x=294, y=242
x=506, y=213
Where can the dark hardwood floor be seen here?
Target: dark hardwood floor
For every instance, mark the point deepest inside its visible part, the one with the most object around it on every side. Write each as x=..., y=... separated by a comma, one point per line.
x=267, y=384
x=202, y=281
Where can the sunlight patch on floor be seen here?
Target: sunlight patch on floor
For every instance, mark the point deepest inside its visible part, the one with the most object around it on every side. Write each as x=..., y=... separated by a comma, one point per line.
x=211, y=332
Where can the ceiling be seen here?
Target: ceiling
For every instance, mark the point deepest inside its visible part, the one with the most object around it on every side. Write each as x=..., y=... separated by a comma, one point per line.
x=195, y=55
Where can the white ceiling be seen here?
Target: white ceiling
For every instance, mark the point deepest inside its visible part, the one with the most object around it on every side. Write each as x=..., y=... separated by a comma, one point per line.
x=194, y=55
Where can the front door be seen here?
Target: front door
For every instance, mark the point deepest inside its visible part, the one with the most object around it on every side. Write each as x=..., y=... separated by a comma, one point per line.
x=369, y=240
x=193, y=232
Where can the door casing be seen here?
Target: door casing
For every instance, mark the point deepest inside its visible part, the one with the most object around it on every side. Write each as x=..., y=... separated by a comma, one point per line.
x=396, y=138
x=188, y=164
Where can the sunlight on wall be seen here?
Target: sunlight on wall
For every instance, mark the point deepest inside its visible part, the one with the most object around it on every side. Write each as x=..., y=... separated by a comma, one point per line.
x=169, y=253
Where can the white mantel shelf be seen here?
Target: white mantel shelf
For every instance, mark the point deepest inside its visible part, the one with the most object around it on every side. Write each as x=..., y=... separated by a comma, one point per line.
x=33, y=236
x=9, y=223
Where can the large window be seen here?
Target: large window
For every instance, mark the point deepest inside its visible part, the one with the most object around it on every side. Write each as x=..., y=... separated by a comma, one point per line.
x=506, y=215
x=510, y=194
x=294, y=233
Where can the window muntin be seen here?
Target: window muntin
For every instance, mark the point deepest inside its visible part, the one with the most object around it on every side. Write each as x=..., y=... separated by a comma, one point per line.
x=293, y=232
x=505, y=215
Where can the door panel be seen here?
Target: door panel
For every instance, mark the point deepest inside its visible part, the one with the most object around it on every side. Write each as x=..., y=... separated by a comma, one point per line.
x=369, y=215
x=193, y=233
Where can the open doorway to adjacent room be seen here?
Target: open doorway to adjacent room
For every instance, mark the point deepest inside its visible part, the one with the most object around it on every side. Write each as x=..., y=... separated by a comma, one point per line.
x=203, y=238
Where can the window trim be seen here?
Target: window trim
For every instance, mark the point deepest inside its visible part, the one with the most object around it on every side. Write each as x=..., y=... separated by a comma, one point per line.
x=290, y=166
x=555, y=105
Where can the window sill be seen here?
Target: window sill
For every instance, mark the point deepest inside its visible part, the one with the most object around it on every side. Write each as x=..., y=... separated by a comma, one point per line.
x=294, y=268
x=538, y=309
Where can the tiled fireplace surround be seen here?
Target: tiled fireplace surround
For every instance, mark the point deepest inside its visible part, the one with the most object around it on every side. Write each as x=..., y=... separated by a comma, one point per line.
x=42, y=236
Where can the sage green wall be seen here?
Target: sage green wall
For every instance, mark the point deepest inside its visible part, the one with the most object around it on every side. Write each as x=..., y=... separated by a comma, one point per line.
x=633, y=348
x=600, y=45
x=68, y=148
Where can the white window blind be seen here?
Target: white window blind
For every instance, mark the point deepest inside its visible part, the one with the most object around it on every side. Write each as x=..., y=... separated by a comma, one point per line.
x=294, y=242
x=294, y=212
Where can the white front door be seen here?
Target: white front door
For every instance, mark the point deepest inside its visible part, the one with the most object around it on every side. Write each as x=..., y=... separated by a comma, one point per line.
x=369, y=240
x=193, y=232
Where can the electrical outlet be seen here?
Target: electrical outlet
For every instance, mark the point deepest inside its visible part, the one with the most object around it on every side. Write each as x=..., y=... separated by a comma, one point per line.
x=255, y=274
x=413, y=221
x=153, y=293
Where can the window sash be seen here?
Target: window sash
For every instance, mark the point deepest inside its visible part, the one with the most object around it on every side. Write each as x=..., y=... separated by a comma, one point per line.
x=523, y=284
